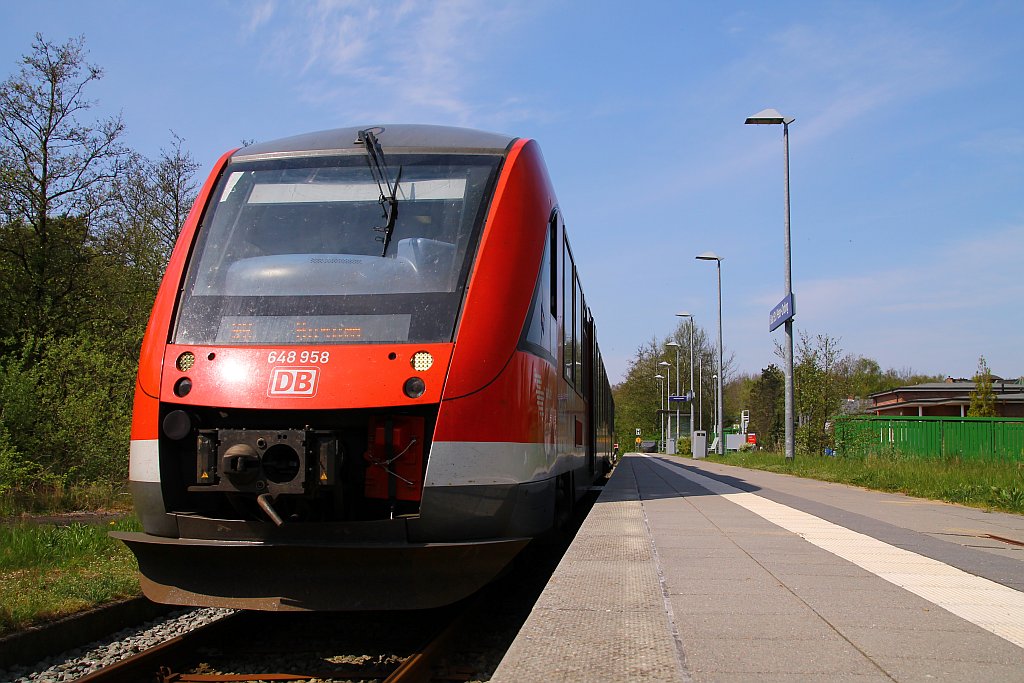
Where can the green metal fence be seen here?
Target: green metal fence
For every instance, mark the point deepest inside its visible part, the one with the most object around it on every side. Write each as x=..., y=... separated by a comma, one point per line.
x=932, y=437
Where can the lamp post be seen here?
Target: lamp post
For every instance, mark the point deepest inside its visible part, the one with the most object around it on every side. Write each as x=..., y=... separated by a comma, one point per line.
x=684, y=314
x=668, y=392
x=661, y=416
x=700, y=390
x=712, y=256
x=714, y=412
x=773, y=117
x=676, y=344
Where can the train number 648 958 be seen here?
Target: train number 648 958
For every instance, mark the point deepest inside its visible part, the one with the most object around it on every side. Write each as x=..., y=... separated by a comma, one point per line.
x=302, y=357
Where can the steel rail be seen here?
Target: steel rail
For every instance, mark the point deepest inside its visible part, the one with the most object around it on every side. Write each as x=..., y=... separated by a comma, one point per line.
x=147, y=665
x=418, y=668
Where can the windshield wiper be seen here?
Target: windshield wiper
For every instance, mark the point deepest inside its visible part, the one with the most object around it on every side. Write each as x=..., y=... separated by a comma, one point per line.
x=388, y=192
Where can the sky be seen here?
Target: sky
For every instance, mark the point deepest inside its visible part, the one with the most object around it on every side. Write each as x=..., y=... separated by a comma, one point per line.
x=906, y=154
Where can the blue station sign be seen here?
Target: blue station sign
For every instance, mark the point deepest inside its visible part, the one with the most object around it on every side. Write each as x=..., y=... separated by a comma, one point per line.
x=783, y=312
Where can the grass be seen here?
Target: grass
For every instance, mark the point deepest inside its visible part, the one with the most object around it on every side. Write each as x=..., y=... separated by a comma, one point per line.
x=990, y=485
x=50, y=571
x=51, y=498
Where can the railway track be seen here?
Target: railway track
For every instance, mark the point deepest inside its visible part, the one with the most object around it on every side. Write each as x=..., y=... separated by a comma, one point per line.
x=457, y=643
x=249, y=646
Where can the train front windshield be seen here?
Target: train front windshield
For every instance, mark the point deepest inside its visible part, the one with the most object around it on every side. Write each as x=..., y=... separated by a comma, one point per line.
x=292, y=251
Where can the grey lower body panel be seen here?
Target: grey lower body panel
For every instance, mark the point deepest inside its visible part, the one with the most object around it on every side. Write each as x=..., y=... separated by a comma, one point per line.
x=447, y=513
x=148, y=498
x=462, y=539
x=315, y=576
x=453, y=513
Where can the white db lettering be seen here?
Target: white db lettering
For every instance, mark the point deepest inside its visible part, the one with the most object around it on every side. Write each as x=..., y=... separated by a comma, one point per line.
x=293, y=382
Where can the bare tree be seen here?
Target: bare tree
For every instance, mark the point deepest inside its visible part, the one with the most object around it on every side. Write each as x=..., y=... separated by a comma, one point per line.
x=54, y=163
x=154, y=199
x=56, y=173
x=174, y=191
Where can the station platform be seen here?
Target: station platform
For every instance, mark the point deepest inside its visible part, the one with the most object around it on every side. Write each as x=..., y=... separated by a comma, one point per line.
x=687, y=570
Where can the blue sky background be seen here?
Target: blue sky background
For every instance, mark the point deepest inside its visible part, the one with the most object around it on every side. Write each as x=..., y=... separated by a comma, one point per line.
x=907, y=154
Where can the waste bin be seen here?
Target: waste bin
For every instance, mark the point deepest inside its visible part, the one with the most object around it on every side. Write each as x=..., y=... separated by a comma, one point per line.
x=699, y=445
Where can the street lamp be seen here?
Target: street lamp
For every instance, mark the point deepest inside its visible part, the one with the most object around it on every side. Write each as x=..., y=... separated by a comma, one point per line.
x=676, y=344
x=714, y=413
x=700, y=389
x=668, y=392
x=712, y=256
x=684, y=314
x=661, y=392
x=773, y=117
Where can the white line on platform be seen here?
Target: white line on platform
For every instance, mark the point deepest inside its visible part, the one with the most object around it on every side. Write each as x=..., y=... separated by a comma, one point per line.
x=990, y=605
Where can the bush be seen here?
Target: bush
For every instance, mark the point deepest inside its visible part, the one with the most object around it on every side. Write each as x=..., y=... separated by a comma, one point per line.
x=67, y=415
x=16, y=471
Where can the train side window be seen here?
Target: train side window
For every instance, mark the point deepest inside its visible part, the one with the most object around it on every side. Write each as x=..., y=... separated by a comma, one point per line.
x=568, y=315
x=578, y=314
x=553, y=249
x=541, y=337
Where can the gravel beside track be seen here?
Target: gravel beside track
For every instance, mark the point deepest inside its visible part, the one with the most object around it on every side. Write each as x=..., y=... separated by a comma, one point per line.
x=80, y=661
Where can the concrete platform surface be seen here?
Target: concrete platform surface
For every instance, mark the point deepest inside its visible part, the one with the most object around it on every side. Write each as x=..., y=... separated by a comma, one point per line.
x=687, y=570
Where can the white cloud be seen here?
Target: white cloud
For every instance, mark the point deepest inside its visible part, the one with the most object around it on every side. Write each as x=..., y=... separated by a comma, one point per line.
x=404, y=60
x=835, y=73
x=935, y=314
x=259, y=14
x=965, y=274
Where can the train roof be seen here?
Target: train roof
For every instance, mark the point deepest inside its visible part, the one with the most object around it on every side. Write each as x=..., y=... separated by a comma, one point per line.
x=393, y=138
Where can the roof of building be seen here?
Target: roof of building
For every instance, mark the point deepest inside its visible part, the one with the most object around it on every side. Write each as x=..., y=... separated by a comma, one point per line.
x=1002, y=399
x=999, y=386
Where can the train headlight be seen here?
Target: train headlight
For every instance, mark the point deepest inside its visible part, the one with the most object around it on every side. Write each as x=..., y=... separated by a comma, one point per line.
x=414, y=387
x=186, y=361
x=422, y=361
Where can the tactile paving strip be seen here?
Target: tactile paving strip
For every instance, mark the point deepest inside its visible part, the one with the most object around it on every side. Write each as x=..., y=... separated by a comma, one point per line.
x=606, y=587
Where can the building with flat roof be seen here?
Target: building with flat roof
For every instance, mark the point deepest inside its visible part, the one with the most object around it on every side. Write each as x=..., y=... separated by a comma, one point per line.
x=951, y=398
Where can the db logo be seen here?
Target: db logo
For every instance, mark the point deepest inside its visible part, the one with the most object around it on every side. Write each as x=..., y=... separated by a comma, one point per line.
x=293, y=382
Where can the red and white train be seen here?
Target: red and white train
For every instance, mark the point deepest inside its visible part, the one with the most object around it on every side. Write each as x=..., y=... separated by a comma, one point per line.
x=370, y=376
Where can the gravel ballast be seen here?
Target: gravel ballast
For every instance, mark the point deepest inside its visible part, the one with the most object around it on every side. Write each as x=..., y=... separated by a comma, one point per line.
x=77, y=662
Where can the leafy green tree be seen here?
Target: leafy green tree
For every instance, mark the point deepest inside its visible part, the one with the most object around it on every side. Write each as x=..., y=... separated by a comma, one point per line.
x=638, y=397
x=983, y=398
x=864, y=376
x=42, y=278
x=818, y=390
x=737, y=397
x=767, y=407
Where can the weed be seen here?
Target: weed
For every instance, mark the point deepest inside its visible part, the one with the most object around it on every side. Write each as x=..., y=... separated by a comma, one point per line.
x=47, y=571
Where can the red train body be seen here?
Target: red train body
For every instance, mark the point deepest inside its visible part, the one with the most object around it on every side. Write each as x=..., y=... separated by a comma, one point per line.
x=369, y=378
